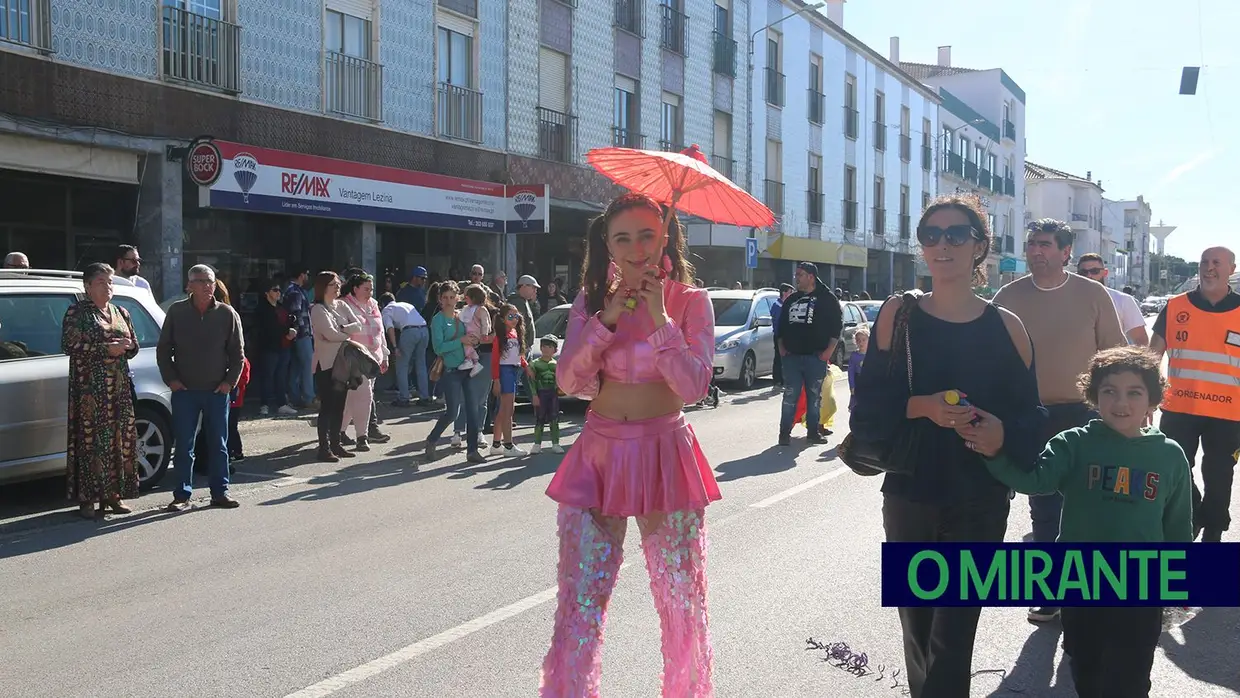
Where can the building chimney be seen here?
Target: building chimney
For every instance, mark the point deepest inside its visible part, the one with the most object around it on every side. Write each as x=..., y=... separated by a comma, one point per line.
x=835, y=12
x=895, y=50
x=945, y=56
x=1089, y=175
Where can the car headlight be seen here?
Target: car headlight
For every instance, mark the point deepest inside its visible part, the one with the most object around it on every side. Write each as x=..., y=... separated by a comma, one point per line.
x=728, y=344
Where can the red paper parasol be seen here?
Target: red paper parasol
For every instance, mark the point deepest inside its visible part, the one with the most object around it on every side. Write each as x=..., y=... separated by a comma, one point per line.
x=683, y=181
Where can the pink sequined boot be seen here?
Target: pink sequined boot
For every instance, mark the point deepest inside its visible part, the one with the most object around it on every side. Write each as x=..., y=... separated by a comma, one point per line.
x=589, y=561
x=676, y=558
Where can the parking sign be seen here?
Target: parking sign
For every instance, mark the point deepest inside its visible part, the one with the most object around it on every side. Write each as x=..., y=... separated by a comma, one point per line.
x=751, y=253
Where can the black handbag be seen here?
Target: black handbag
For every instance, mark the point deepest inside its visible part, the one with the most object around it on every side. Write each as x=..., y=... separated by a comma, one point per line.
x=869, y=457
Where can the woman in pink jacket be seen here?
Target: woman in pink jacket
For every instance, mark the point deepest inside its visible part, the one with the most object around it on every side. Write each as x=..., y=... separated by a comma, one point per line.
x=640, y=344
x=359, y=296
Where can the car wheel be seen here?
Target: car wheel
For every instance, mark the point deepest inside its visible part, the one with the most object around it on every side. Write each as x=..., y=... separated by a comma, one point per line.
x=154, y=446
x=749, y=371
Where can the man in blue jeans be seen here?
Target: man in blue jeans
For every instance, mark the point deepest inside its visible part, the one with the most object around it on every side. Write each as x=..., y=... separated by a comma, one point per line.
x=200, y=353
x=300, y=372
x=409, y=335
x=810, y=323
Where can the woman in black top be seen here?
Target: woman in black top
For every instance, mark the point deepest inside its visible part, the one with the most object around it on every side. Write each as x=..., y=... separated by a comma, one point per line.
x=958, y=342
x=273, y=337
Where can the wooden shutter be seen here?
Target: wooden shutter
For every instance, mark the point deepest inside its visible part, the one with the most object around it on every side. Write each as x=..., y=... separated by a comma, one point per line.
x=552, y=80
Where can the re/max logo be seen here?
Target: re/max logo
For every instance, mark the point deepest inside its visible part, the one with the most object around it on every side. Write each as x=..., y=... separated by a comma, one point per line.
x=305, y=185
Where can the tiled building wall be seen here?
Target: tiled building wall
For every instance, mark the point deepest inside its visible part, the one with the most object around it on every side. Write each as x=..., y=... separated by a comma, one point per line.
x=593, y=73
x=698, y=75
x=493, y=67
x=522, y=66
x=113, y=35
x=282, y=52
x=407, y=51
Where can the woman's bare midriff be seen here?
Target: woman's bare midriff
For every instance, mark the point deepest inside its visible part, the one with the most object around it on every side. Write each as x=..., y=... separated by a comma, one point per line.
x=630, y=402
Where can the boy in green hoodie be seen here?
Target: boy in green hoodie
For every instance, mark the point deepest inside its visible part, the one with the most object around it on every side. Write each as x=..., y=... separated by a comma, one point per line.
x=1122, y=482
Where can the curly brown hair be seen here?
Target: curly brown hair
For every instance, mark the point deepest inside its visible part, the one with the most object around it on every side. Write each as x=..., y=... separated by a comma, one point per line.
x=1130, y=359
x=972, y=208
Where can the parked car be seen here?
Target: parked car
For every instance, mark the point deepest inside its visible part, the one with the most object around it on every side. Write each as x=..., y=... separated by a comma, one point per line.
x=34, y=390
x=870, y=309
x=744, y=349
x=854, y=319
x=1153, y=305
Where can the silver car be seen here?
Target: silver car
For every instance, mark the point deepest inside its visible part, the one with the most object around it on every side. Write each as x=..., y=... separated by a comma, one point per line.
x=744, y=348
x=34, y=389
x=553, y=323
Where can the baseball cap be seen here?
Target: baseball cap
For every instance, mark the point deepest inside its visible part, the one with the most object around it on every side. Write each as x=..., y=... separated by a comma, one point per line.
x=418, y=273
x=808, y=267
x=527, y=280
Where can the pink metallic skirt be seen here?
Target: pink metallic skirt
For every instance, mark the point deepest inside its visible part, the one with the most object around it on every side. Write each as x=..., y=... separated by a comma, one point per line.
x=634, y=468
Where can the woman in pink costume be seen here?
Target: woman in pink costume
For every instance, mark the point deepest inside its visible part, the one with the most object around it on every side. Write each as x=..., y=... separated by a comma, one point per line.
x=641, y=346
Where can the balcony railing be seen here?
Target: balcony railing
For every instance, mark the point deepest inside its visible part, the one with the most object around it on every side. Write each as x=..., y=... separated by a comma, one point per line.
x=557, y=135
x=906, y=148
x=629, y=16
x=460, y=113
x=627, y=138
x=850, y=122
x=674, y=22
x=817, y=106
x=354, y=86
x=1009, y=186
x=997, y=185
x=775, y=81
x=1009, y=130
x=814, y=203
x=955, y=164
x=465, y=7
x=724, y=166
x=850, y=214
x=983, y=178
x=970, y=171
x=775, y=197
x=880, y=135
x=905, y=226
x=880, y=220
x=26, y=23
x=201, y=50
x=671, y=146
x=725, y=55
x=927, y=157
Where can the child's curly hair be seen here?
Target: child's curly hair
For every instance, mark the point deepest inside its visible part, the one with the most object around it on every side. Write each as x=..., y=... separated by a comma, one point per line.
x=1109, y=362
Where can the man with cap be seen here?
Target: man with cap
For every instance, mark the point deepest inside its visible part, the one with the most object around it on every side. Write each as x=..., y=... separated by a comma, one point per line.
x=414, y=292
x=810, y=325
x=526, y=302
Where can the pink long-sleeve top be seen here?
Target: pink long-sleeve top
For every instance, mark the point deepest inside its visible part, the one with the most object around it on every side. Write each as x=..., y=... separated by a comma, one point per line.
x=681, y=353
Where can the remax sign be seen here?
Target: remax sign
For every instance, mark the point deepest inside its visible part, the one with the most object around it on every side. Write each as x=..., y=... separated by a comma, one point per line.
x=274, y=181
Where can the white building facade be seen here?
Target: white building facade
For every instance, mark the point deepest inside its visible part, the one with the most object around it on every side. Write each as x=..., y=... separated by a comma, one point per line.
x=1075, y=200
x=1127, y=225
x=841, y=151
x=980, y=147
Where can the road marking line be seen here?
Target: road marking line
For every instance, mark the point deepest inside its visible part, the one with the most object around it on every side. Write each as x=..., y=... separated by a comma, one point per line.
x=798, y=489
x=373, y=668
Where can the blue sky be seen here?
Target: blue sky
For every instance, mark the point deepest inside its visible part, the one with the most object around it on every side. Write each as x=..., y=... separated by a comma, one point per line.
x=1102, y=82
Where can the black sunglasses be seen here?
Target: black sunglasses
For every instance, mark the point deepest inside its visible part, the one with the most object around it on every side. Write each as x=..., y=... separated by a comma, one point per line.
x=957, y=235
x=1093, y=271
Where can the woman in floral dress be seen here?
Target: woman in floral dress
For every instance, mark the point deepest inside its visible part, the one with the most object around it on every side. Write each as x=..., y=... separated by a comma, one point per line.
x=101, y=456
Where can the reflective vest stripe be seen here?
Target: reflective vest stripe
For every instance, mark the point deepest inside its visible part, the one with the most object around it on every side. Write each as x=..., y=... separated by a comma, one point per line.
x=1207, y=376
x=1206, y=356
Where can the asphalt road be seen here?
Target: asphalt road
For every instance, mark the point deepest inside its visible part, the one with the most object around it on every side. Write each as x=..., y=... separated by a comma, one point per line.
x=374, y=579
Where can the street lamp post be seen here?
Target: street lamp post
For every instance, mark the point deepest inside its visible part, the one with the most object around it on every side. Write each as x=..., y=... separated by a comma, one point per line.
x=749, y=112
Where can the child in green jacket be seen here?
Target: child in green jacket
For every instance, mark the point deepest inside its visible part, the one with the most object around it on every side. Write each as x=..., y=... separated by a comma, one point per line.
x=1122, y=482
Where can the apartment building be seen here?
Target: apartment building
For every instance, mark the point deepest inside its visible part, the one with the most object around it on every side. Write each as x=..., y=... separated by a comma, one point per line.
x=1076, y=200
x=1126, y=224
x=981, y=150
x=840, y=150
x=631, y=73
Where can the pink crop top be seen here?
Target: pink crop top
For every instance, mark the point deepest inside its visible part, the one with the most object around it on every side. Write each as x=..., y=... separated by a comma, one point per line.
x=681, y=353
